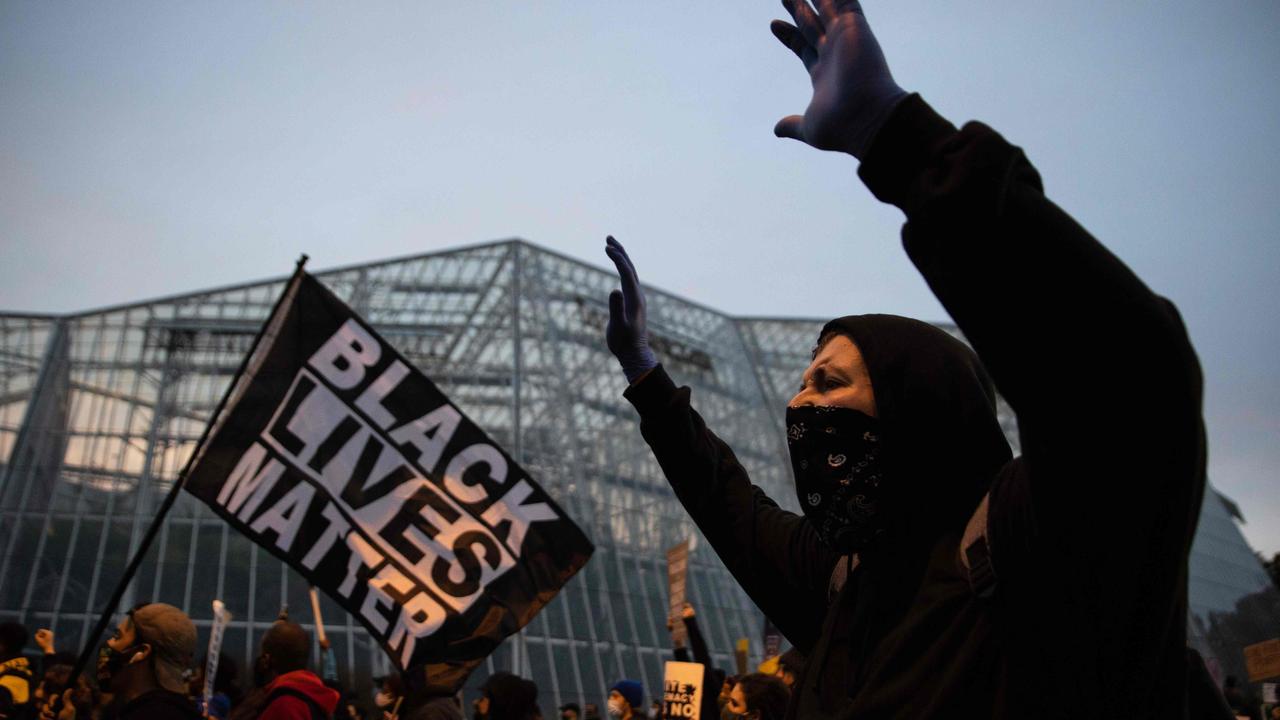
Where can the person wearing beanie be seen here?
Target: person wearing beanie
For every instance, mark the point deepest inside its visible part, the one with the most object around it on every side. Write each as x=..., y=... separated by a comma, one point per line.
x=626, y=700
x=142, y=664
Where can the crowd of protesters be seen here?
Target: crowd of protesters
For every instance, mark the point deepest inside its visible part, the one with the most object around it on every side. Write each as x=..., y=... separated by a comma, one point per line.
x=148, y=669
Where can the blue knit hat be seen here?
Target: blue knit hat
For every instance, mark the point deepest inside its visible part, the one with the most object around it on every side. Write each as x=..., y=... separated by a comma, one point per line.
x=631, y=691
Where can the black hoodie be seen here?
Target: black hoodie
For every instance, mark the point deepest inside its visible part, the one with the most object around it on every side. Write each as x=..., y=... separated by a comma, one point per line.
x=1089, y=529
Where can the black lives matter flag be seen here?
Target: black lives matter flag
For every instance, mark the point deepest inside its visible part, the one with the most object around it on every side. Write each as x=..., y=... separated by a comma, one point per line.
x=338, y=457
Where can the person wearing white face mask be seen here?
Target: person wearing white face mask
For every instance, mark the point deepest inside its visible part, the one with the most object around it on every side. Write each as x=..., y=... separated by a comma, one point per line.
x=626, y=700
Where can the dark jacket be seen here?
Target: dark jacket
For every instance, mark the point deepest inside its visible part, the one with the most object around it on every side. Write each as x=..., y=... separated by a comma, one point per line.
x=159, y=705
x=713, y=677
x=437, y=708
x=1089, y=529
x=430, y=702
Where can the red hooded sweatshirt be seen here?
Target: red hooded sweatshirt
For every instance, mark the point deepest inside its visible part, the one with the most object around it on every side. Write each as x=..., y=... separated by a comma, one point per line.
x=287, y=706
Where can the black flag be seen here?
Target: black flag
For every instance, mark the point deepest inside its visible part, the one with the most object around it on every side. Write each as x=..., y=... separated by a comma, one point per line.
x=343, y=460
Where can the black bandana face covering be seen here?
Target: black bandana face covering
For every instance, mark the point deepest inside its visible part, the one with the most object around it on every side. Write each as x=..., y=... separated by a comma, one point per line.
x=835, y=457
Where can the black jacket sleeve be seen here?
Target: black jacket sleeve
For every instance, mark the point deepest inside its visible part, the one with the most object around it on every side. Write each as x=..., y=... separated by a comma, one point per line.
x=1098, y=368
x=775, y=555
x=697, y=642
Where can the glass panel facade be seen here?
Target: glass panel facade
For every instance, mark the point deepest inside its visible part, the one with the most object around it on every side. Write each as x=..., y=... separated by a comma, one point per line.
x=99, y=412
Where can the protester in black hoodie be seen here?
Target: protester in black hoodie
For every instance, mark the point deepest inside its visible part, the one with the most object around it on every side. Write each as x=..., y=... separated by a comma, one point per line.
x=931, y=574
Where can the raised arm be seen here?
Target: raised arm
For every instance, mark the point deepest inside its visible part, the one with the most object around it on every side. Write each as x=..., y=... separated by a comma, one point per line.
x=696, y=641
x=1097, y=367
x=775, y=555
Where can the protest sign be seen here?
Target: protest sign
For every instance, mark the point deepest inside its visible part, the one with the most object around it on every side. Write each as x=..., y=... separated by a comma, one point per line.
x=1263, y=660
x=772, y=639
x=740, y=655
x=337, y=456
x=682, y=689
x=677, y=574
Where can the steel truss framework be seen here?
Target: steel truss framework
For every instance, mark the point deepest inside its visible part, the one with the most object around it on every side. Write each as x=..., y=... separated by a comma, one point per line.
x=100, y=410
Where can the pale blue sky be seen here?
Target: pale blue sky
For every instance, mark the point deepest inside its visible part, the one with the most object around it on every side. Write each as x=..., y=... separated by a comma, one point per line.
x=156, y=148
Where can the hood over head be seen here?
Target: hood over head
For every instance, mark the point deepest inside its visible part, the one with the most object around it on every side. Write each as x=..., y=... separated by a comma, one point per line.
x=307, y=683
x=941, y=447
x=942, y=444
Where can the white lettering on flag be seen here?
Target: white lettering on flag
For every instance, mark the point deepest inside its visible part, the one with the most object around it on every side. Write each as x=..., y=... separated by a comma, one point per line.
x=452, y=571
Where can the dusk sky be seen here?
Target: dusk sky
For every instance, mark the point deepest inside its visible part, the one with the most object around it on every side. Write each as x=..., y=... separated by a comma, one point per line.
x=149, y=149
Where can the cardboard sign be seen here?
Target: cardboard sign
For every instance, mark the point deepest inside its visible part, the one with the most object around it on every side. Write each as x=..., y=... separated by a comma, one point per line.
x=340, y=458
x=682, y=689
x=1263, y=660
x=677, y=575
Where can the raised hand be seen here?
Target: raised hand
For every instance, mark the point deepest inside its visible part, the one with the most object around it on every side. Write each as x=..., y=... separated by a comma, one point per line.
x=853, y=92
x=44, y=640
x=626, y=334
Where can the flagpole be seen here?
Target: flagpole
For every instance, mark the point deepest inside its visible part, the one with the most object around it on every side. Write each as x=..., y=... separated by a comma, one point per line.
x=131, y=569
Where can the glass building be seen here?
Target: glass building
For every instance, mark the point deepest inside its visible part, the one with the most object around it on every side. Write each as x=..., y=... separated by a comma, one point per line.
x=100, y=410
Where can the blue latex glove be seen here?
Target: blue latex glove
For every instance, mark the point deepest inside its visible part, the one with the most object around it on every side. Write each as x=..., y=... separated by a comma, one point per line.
x=853, y=92
x=626, y=334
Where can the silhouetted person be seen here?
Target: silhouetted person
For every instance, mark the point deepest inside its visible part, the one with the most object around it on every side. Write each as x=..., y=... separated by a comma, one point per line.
x=759, y=697
x=790, y=667
x=505, y=696
x=931, y=574
x=143, y=665
x=288, y=690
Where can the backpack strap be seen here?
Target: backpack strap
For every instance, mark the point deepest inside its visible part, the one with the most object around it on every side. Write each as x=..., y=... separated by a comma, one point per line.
x=317, y=712
x=975, y=552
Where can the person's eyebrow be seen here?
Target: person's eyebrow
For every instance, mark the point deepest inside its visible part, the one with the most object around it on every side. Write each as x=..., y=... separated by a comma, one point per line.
x=842, y=373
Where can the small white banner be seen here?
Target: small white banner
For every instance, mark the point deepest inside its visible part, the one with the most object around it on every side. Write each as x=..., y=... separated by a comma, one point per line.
x=220, y=619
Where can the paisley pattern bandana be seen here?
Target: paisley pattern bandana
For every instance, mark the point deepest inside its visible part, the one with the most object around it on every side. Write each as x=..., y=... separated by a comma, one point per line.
x=835, y=456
